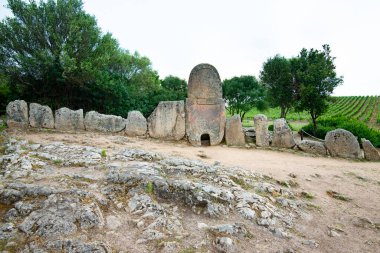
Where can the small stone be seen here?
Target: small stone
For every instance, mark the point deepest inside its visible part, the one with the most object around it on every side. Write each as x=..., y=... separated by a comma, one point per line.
x=202, y=225
x=113, y=222
x=311, y=243
x=225, y=244
x=140, y=223
x=333, y=233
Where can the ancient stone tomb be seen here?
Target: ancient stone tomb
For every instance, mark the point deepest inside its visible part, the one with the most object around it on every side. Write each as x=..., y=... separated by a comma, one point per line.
x=205, y=115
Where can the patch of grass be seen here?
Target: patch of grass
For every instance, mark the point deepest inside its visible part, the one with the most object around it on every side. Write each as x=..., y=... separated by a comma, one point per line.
x=36, y=166
x=188, y=250
x=149, y=188
x=39, y=157
x=307, y=195
x=241, y=182
x=311, y=206
x=103, y=153
x=79, y=164
x=339, y=196
x=288, y=183
x=57, y=162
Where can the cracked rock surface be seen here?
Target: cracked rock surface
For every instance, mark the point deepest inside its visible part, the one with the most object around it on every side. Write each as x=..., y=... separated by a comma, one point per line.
x=60, y=197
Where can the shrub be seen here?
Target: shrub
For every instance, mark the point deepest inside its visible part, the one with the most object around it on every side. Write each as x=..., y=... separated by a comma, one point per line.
x=356, y=127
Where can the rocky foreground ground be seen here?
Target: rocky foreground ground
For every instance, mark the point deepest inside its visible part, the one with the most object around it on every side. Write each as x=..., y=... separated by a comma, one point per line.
x=66, y=197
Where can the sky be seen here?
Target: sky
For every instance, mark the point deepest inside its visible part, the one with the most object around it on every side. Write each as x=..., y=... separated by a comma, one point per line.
x=238, y=36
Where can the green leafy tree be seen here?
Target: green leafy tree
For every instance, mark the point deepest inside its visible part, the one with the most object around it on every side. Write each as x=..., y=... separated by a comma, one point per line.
x=242, y=94
x=175, y=86
x=315, y=75
x=276, y=75
x=54, y=53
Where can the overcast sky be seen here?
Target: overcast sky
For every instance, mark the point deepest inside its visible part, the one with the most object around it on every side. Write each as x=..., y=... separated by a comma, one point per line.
x=238, y=36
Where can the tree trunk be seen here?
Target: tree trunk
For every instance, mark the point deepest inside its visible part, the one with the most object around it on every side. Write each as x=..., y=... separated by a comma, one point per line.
x=314, y=119
x=283, y=112
x=242, y=116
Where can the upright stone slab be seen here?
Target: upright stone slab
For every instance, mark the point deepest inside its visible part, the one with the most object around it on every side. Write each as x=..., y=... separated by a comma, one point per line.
x=205, y=115
x=66, y=119
x=370, y=152
x=282, y=135
x=17, y=114
x=167, y=121
x=234, y=132
x=136, y=124
x=342, y=143
x=94, y=121
x=261, y=130
x=40, y=116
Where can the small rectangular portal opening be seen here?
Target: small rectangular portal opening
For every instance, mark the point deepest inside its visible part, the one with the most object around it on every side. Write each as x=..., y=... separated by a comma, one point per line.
x=205, y=140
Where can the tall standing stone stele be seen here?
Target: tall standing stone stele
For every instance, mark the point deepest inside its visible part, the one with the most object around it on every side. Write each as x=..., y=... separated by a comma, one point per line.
x=205, y=115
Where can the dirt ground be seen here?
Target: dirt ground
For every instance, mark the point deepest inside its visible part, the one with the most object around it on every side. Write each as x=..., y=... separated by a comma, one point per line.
x=356, y=221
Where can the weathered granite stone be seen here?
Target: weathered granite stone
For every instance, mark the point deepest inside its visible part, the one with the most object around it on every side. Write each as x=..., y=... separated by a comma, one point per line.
x=234, y=132
x=17, y=114
x=136, y=124
x=66, y=119
x=370, y=152
x=205, y=115
x=167, y=121
x=40, y=116
x=342, y=143
x=314, y=147
x=261, y=130
x=94, y=121
x=282, y=134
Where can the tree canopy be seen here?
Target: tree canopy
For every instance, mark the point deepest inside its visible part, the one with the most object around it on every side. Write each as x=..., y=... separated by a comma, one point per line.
x=54, y=53
x=242, y=94
x=277, y=77
x=314, y=73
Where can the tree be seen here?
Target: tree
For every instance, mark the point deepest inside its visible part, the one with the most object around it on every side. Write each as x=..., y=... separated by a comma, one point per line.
x=242, y=94
x=276, y=75
x=53, y=52
x=315, y=75
x=176, y=86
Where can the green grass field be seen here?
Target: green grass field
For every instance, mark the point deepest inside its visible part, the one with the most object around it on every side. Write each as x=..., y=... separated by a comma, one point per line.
x=363, y=108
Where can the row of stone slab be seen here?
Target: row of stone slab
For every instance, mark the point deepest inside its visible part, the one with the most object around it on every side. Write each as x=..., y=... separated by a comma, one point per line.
x=166, y=122
x=337, y=143
x=41, y=116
